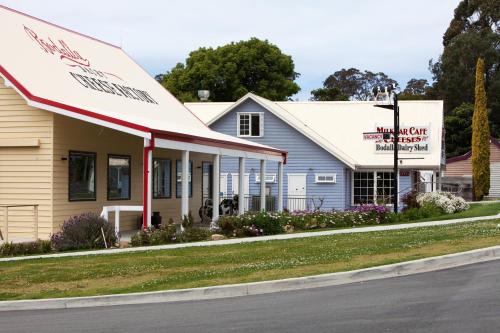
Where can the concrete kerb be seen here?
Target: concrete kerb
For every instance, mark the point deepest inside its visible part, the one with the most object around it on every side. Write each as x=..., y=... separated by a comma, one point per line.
x=254, y=239
x=235, y=290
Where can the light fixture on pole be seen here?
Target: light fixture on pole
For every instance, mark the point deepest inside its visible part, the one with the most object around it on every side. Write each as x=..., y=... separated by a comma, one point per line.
x=387, y=98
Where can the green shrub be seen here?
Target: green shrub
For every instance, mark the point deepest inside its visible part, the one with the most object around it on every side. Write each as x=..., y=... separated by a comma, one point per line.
x=167, y=234
x=252, y=224
x=188, y=221
x=26, y=248
x=141, y=238
x=193, y=235
x=410, y=200
x=84, y=231
x=164, y=235
x=427, y=210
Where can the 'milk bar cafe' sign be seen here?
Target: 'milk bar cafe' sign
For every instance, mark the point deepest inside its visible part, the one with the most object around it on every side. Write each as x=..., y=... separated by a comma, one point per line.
x=87, y=76
x=412, y=140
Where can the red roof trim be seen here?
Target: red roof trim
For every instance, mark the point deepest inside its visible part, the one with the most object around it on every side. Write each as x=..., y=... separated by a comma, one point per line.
x=58, y=26
x=167, y=135
x=463, y=157
x=468, y=154
x=216, y=143
x=495, y=142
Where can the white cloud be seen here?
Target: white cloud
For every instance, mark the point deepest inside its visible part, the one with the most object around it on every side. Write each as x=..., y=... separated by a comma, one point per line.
x=396, y=37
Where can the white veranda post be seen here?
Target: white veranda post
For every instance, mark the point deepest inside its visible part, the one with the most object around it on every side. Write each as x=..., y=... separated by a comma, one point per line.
x=262, y=185
x=280, y=186
x=185, y=184
x=241, y=186
x=215, y=191
x=148, y=182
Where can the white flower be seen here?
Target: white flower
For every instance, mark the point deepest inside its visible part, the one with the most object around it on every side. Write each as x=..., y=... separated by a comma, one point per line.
x=448, y=202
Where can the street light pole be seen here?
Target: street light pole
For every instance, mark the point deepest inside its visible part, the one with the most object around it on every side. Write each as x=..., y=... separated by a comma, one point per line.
x=386, y=94
x=396, y=149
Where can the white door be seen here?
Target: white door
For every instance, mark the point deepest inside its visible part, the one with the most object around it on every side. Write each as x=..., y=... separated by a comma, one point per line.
x=296, y=192
x=223, y=185
x=495, y=180
x=246, y=189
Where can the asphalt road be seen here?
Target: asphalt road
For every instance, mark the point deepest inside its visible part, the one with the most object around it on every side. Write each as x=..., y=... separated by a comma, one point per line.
x=464, y=299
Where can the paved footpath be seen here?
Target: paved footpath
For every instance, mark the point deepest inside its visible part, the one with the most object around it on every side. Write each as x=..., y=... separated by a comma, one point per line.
x=461, y=299
x=257, y=239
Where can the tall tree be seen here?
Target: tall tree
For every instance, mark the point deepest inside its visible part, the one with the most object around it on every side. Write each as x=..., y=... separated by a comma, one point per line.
x=232, y=70
x=472, y=33
x=480, y=138
x=415, y=89
x=355, y=84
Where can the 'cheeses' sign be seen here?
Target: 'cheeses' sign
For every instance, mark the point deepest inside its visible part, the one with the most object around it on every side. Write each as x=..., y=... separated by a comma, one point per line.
x=412, y=140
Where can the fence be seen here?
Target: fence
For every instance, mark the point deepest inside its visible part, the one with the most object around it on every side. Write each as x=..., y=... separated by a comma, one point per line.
x=15, y=218
x=252, y=203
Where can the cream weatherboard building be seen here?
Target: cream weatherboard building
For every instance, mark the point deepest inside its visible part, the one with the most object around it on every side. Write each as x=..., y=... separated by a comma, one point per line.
x=83, y=128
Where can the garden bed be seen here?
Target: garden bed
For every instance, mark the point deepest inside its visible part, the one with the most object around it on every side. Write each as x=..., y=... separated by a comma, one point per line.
x=85, y=232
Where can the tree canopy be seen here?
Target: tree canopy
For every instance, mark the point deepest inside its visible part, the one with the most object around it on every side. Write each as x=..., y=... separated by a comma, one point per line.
x=472, y=34
x=352, y=83
x=232, y=70
x=416, y=89
x=458, y=129
x=328, y=94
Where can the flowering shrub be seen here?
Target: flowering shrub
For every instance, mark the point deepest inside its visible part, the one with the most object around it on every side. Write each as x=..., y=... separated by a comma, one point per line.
x=445, y=201
x=374, y=214
x=410, y=200
x=251, y=224
x=269, y=223
x=84, y=231
x=167, y=234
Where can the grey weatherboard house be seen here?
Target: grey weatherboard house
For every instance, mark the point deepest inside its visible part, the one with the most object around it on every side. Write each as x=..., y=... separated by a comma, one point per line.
x=317, y=173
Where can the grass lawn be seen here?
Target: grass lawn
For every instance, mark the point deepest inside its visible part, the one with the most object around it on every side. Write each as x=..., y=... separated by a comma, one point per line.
x=476, y=209
x=206, y=266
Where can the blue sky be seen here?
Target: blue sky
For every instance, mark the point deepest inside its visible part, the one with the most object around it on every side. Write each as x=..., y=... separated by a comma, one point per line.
x=395, y=37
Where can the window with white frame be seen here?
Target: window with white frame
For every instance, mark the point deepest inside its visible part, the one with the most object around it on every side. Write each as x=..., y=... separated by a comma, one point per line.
x=385, y=187
x=363, y=187
x=373, y=187
x=325, y=178
x=250, y=124
x=270, y=178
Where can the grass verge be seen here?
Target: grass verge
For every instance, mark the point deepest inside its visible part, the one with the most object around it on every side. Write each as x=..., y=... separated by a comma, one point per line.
x=475, y=210
x=207, y=266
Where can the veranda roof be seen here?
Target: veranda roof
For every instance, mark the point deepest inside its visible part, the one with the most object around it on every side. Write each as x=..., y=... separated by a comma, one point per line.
x=63, y=71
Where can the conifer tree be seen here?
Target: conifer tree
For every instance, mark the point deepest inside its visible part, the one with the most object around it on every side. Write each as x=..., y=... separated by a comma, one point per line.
x=480, y=138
